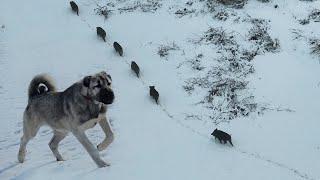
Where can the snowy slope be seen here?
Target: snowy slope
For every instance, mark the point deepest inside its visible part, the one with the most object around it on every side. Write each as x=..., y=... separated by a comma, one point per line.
x=155, y=142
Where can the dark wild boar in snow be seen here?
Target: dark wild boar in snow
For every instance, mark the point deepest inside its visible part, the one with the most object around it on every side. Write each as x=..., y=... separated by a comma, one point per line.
x=135, y=68
x=74, y=7
x=101, y=33
x=154, y=93
x=118, y=48
x=223, y=137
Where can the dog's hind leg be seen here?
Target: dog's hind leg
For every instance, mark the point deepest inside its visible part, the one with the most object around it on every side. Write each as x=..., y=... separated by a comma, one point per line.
x=91, y=149
x=105, y=125
x=54, y=143
x=30, y=129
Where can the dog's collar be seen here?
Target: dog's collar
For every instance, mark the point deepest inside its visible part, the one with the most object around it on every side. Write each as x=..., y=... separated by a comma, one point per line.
x=88, y=98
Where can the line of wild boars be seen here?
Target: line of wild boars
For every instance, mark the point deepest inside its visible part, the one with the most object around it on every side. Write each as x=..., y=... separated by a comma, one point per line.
x=135, y=68
x=154, y=93
x=74, y=7
x=118, y=48
x=101, y=33
x=223, y=137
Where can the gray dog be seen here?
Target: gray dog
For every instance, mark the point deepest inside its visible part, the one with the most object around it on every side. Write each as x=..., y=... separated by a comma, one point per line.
x=74, y=110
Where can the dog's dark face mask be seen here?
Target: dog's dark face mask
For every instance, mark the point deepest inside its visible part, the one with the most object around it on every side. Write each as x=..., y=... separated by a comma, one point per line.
x=98, y=88
x=106, y=96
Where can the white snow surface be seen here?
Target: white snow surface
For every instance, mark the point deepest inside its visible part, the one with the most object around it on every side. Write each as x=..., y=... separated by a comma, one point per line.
x=151, y=141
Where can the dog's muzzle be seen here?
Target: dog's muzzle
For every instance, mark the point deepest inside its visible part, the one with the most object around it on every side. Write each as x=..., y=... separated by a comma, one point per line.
x=106, y=96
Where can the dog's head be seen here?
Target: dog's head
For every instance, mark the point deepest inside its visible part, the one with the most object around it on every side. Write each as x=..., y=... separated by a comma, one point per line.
x=214, y=132
x=98, y=88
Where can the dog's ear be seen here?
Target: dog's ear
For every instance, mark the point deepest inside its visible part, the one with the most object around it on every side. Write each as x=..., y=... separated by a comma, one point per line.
x=109, y=77
x=86, y=81
x=105, y=75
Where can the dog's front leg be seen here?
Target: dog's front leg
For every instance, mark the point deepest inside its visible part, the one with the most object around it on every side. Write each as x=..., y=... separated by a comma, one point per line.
x=93, y=152
x=105, y=125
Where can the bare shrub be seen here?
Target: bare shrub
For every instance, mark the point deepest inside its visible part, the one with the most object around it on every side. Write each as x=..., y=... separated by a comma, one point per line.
x=315, y=46
x=146, y=6
x=163, y=50
x=103, y=11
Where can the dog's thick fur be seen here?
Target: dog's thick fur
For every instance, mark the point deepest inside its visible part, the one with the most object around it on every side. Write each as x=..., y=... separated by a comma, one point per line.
x=223, y=137
x=42, y=88
x=74, y=110
x=40, y=84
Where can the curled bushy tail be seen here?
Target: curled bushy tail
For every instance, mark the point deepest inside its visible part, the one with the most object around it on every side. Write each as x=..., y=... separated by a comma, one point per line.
x=40, y=84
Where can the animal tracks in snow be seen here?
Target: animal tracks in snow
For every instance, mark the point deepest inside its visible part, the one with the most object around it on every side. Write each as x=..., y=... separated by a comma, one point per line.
x=183, y=125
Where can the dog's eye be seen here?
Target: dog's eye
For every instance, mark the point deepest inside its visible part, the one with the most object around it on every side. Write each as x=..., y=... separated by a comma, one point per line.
x=98, y=86
x=108, y=83
x=109, y=76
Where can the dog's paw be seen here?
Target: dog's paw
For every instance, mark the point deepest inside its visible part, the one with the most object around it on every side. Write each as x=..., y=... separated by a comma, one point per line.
x=105, y=143
x=101, y=147
x=21, y=160
x=21, y=156
x=102, y=164
x=60, y=159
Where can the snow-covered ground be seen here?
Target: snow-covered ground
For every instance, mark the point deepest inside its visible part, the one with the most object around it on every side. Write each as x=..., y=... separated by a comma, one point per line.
x=158, y=142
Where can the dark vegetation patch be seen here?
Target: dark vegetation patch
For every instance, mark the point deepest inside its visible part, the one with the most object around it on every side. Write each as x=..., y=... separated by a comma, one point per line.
x=260, y=36
x=313, y=16
x=163, y=50
x=183, y=12
x=104, y=11
x=229, y=3
x=227, y=94
x=223, y=14
x=143, y=6
x=315, y=46
x=313, y=42
x=194, y=63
